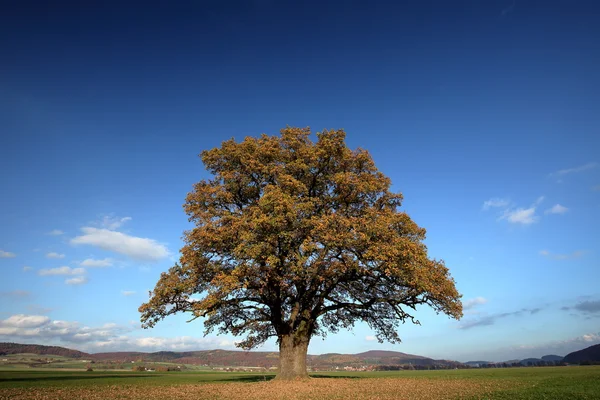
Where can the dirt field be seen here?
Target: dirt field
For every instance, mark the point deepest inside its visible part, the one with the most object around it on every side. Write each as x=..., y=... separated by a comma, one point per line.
x=323, y=388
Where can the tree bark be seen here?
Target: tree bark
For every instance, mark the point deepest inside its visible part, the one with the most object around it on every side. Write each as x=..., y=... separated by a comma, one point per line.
x=292, y=357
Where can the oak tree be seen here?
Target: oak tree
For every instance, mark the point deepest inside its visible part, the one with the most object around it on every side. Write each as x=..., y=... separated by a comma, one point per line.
x=294, y=238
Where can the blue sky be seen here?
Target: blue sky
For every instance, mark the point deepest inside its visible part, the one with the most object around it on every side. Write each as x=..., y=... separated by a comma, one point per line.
x=483, y=114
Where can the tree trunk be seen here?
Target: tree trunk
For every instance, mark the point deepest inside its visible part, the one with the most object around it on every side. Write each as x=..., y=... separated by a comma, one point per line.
x=292, y=357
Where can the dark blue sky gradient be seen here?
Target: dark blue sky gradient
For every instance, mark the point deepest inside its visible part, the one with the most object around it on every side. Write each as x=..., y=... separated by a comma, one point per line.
x=104, y=107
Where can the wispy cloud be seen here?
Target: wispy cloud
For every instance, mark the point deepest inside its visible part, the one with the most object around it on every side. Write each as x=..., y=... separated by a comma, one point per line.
x=567, y=171
x=7, y=254
x=495, y=202
x=118, y=242
x=56, y=232
x=512, y=214
x=27, y=268
x=89, y=262
x=507, y=10
x=112, y=223
x=481, y=321
x=54, y=255
x=127, y=292
x=486, y=320
x=557, y=256
x=471, y=303
x=588, y=307
x=78, y=280
x=523, y=216
x=64, y=270
x=556, y=209
x=370, y=338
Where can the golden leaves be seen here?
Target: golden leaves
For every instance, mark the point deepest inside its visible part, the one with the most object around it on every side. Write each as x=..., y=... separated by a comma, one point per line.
x=287, y=222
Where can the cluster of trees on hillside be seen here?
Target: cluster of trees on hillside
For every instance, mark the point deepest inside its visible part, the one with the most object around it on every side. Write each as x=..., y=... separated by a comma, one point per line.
x=588, y=362
x=540, y=363
x=417, y=367
x=157, y=368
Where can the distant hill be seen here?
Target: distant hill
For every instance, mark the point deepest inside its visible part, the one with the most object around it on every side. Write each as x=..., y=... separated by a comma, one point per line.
x=271, y=359
x=552, y=357
x=591, y=353
x=236, y=358
x=388, y=354
x=383, y=357
x=205, y=357
x=16, y=348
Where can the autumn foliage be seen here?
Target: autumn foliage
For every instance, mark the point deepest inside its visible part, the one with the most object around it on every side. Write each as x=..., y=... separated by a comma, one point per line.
x=294, y=239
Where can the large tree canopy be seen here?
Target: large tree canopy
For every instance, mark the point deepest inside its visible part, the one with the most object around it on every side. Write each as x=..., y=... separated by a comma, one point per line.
x=295, y=238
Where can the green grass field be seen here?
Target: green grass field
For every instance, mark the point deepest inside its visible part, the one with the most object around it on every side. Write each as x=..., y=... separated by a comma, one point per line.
x=511, y=383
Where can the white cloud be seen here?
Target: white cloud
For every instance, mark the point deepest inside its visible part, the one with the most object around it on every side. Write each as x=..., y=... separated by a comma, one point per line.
x=519, y=215
x=27, y=268
x=64, y=270
x=107, y=262
x=495, y=202
x=55, y=255
x=37, y=327
x=78, y=280
x=523, y=216
x=370, y=338
x=573, y=170
x=134, y=247
x=471, y=303
x=24, y=321
x=556, y=209
x=555, y=256
x=7, y=254
x=112, y=223
x=56, y=232
x=591, y=337
x=127, y=292
x=108, y=337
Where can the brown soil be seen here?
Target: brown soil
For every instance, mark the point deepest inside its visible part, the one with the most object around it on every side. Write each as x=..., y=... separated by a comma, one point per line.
x=323, y=388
